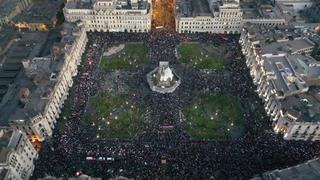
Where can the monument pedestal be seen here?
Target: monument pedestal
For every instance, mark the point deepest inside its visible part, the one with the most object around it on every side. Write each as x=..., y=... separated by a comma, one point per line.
x=163, y=79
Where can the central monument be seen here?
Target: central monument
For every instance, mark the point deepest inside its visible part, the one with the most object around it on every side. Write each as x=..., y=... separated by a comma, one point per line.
x=163, y=79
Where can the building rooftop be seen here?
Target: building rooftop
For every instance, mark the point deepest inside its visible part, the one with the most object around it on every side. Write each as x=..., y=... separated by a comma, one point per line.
x=43, y=11
x=183, y=8
x=304, y=107
x=306, y=171
x=6, y=35
x=44, y=72
x=289, y=76
x=287, y=46
x=305, y=66
x=265, y=34
x=283, y=80
x=7, y=6
x=121, y=4
x=252, y=10
x=200, y=8
x=25, y=45
x=76, y=4
x=193, y=8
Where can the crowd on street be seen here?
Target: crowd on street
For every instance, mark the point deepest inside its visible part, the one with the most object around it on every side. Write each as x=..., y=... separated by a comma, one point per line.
x=163, y=149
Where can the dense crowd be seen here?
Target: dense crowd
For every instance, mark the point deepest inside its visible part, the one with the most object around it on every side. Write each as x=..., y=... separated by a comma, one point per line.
x=162, y=149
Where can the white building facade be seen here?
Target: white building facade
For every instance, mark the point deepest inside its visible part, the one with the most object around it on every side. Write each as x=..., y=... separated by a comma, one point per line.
x=38, y=117
x=283, y=77
x=111, y=15
x=226, y=19
x=17, y=157
x=135, y=16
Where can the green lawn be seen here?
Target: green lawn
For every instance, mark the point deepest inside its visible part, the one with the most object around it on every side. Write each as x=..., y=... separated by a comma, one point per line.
x=192, y=53
x=114, y=116
x=212, y=117
x=134, y=54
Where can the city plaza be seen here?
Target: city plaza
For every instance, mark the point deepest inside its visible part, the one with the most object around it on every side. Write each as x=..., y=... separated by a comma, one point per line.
x=146, y=89
x=212, y=124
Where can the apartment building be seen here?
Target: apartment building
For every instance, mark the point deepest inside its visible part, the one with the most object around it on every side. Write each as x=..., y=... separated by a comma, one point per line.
x=287, y=80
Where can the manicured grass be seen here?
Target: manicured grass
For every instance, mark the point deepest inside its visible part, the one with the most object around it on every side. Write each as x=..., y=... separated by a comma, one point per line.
x=192, y=53
x=133, y=55
x=212, y=117
x=188, y=51
x=114, y=116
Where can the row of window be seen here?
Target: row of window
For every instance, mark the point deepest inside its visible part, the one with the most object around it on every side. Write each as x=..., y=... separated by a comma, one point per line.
x=306, y=130
x=125, y=30
x=210, y=27
x=201, y=23
x=119, y=22
x=18, y=167
x=207, y=31
x=230, y=15
x=123, y=17
x=116, y=26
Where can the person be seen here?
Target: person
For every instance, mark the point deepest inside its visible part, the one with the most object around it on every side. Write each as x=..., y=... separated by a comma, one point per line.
x=256, y=151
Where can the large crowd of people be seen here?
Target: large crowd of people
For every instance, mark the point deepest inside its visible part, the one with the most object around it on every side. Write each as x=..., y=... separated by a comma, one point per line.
x=163, y=149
